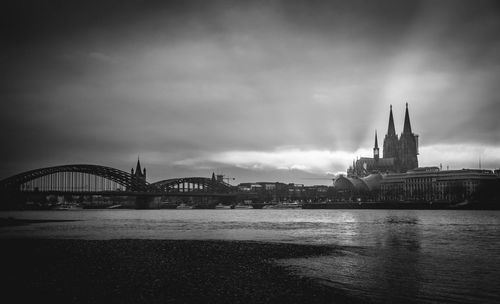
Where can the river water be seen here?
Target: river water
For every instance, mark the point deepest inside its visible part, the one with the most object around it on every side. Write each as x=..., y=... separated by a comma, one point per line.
x=384, y=256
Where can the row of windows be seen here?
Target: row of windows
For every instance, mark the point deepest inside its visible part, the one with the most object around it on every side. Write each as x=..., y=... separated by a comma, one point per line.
x=428, y=189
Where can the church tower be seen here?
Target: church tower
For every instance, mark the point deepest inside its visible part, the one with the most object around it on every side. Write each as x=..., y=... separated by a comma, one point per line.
x=138, y=174
x=408, y=146
x=375, y=149
x=391, y=139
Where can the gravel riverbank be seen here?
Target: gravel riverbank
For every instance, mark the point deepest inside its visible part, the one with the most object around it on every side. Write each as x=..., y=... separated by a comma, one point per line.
x=157, y=271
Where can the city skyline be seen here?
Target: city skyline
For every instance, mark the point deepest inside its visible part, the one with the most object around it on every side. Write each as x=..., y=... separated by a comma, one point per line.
x=259, y=91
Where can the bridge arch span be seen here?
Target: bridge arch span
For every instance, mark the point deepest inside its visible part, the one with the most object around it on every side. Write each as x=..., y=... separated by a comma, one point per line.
x=192, y=184
x=120, y=177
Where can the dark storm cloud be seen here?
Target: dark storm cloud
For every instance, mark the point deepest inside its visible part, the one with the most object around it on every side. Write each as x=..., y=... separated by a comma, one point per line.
x=243, y=84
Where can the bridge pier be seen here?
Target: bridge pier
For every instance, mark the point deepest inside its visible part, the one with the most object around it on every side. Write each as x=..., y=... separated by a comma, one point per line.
x=147, y=202
x=12, y=200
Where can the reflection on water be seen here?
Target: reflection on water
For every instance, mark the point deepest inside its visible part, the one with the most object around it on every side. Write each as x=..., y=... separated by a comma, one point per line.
x=386, y=270
x=402, y=247
x=417, y=258
x=383, y=256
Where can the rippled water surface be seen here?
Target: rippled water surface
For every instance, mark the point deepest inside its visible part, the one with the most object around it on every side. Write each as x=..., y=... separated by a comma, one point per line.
x=385, y=256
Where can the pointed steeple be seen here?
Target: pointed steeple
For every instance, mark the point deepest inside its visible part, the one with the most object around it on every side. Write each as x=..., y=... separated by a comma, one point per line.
x=407, y=126
x=138, y=167
x=391, y=131
x=213, y=176
x=391, y=139
x=376, y=141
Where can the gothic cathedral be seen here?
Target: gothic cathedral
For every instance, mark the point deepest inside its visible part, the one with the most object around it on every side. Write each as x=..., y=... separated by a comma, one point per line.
x=399, y=154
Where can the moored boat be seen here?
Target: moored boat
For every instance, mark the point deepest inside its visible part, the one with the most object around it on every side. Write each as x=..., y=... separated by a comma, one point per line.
x=117, y=206
x=221, y=206
x=242, y=206
x=68, y=206
x=184, y=206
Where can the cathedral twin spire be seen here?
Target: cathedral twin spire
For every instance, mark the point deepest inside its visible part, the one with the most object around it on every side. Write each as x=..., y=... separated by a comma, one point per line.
x=404, y=149
x=407, y=126
x=391, y=130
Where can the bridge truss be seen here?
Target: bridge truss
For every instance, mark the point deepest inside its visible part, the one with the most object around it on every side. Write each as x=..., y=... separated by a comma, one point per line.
x=194, y=185
x=78, y=178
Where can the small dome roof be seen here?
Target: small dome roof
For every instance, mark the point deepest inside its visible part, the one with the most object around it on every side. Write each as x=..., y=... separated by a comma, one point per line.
x=342, y=183
x=372, y=181
x=359, y=184
x=349, y=183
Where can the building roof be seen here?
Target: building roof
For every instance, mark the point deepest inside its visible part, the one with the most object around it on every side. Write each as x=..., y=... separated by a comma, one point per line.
x=430, y=172
x=372, y=181
x=343, y=183
x=359, y=184
x=382, y=164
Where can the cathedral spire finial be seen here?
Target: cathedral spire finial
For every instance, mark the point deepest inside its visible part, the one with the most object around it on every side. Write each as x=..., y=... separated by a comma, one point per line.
x=391, y=131
x=376, y=141
x=138, y=166
x=407, y=125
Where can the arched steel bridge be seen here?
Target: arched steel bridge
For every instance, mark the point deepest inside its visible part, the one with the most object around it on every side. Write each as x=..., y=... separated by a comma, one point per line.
x=74, y=178
x=85, y=178
x=192, y=185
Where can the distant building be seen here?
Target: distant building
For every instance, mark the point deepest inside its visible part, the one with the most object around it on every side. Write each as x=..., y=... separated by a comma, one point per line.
x=429, y=184
x=397, y=177
x=278, y=192
x=354, y=187
x=399, y=154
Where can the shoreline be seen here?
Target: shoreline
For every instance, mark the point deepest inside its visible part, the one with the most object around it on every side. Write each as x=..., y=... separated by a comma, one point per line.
x=384, y=205
x=11, y=221
x=159, y=271
x=403, y=206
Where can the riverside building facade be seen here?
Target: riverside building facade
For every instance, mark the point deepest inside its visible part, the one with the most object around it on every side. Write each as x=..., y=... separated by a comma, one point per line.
x=429, y=184
x=423, y=185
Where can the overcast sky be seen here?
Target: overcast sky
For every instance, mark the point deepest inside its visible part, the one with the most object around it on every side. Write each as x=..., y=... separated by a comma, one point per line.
x=256, y=90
